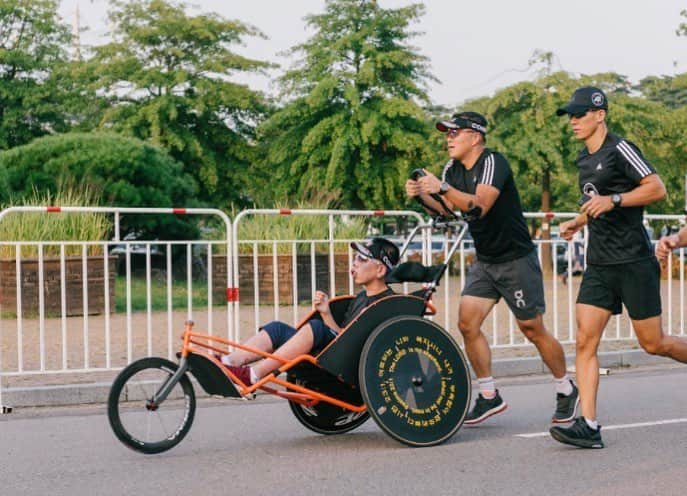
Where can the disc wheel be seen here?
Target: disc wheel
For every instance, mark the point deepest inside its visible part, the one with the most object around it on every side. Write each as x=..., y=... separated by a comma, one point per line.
x=136, y=420
x=414, y=381
x=325, y=418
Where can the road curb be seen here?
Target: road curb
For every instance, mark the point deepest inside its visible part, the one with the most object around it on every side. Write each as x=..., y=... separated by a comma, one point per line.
x=84, y=393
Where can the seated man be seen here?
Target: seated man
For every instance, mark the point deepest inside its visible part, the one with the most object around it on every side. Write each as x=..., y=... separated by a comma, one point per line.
x=370, y=265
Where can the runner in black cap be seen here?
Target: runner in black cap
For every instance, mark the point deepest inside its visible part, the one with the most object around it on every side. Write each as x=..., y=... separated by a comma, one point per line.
x=616, y=182
x=506, y=265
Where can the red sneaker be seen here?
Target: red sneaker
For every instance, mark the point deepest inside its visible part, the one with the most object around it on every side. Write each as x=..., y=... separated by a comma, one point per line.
x=242, y=373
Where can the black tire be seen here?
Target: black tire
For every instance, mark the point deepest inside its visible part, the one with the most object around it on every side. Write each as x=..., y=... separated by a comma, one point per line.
x=135, y=424
x=415, y=381
x=325, y=418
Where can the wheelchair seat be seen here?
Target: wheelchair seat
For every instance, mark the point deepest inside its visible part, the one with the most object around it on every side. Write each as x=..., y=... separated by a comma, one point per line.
x=341, y=356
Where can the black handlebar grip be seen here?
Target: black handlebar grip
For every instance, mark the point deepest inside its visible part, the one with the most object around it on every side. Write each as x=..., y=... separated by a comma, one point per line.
x=417, y=173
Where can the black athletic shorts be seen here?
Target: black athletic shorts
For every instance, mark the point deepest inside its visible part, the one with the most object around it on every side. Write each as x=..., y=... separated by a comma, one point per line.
x=518, y=281
x=636, y=285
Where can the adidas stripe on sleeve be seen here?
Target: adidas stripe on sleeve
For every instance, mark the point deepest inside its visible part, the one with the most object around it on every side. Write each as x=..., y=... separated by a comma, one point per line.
x=636, y=165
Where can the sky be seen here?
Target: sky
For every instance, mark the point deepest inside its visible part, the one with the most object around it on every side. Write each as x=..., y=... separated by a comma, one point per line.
x=474, y=47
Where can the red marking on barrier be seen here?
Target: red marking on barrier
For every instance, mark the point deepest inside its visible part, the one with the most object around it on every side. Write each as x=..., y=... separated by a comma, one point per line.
x=232, y=294
x=179, y=211
x=53, y=209
x=379, y=213
x=549, y=215
x=284, y=211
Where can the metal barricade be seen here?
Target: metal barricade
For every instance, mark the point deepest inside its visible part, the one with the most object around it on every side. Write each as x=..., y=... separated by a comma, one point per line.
x=55, y=340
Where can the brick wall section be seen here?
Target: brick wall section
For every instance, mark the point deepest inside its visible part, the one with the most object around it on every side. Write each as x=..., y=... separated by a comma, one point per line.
x=265, y=280
x=52, y=285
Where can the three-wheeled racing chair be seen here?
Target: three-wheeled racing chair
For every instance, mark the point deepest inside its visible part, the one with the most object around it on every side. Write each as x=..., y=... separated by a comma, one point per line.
x=390, y=363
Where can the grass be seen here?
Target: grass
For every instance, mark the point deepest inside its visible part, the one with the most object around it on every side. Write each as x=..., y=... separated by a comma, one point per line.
x=158, y=295
x=34, y=226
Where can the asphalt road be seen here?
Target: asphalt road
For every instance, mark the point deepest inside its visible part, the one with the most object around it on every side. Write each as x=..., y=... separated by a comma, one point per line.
x=258, y=447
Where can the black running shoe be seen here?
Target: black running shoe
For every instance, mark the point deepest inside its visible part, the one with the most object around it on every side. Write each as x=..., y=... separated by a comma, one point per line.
x=566, y=406
x=485, y=408
x=579, y=434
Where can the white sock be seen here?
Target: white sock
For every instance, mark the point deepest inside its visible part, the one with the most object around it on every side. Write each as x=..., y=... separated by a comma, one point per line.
x=592, y=423
x=226, y=359
x=563, y=385
x=487, y=386
x=253, y=378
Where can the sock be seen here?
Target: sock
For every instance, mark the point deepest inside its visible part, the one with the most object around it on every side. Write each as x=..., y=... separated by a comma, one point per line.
x=487, y=387
x=226, y=359
x=253, y=377
x=592, y=424
x=563, y=385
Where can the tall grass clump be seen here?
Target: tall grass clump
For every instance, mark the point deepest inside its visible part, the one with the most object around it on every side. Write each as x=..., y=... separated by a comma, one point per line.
x=41, y=226
x=298, y=227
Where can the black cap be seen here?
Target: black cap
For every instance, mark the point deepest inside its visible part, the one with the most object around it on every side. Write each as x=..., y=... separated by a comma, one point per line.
x=464, y=120
x=584, y=99
x=380, y=249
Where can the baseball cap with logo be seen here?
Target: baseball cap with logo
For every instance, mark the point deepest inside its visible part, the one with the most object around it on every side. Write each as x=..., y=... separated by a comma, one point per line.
x=464, y=120
x=380, y=249
x=584, y=99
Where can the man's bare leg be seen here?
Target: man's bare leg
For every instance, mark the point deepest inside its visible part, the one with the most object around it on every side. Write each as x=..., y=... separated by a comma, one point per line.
x=651, y=337
x=300, y=344
x=549, y=347
x=591, y=322
x=473, y=311
x=260, y=341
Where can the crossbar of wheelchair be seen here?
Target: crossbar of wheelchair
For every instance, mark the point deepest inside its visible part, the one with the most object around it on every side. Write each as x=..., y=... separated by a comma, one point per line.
x=316, y=395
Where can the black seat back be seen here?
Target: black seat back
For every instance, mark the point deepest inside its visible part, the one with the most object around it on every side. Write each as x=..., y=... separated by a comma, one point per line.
x=342, y=355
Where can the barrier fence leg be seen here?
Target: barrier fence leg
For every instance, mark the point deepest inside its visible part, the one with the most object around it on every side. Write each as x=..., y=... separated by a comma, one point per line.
x=3, y=409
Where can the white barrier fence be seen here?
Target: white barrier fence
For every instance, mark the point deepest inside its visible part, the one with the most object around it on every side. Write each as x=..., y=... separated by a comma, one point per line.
x=152, y=287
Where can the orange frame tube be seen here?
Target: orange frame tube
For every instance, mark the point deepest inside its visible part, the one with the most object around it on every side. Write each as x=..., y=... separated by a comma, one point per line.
x=202, y=344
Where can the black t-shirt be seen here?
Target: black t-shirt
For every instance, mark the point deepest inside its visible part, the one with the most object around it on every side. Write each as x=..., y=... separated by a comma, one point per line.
x=501, y=235
x=362, y=301
x=618, y=236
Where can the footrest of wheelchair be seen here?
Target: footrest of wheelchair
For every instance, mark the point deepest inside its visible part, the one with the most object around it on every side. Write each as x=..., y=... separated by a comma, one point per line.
x=212, y=379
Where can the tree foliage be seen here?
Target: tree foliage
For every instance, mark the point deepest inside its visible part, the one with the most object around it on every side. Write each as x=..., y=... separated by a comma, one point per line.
x=169, y=78
x=33, y=43
x=119, y=171
x=353, y=123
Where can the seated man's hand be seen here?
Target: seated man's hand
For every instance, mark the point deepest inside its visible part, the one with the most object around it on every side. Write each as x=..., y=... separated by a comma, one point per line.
x=321, y=302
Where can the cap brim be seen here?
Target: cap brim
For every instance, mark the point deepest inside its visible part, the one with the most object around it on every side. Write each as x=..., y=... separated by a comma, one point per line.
x=444, y=126
x=571, y=109
x=362, y=249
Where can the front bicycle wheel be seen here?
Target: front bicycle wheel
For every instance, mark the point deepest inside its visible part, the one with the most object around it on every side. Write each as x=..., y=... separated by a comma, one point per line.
x=137, y=420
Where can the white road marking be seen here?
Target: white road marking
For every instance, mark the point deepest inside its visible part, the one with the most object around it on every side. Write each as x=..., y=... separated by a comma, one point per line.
x=605, y=428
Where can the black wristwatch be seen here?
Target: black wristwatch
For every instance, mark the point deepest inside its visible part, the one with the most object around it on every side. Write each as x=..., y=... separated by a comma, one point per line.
x=443, y=189
x=616, y=200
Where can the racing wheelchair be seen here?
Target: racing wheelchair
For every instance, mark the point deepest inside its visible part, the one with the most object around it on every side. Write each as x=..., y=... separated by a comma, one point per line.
x=390, y=363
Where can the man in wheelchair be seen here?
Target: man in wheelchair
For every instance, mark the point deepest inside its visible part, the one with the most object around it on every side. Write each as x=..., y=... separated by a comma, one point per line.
x=371, y=264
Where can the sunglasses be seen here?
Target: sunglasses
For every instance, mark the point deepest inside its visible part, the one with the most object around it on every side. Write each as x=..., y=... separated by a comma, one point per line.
x=582, y=113
x=452, y=133
x=362, y=259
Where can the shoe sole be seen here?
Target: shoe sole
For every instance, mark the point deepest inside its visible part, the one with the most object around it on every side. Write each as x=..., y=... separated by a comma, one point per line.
x=554, y=420
x=580, y=443
x=489, y=413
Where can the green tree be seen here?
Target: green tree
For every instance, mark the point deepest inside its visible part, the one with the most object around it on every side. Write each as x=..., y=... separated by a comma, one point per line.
x=33, y=43
x=353, y=122
x=169, y=79
x=669, y=90
x=120, y=171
